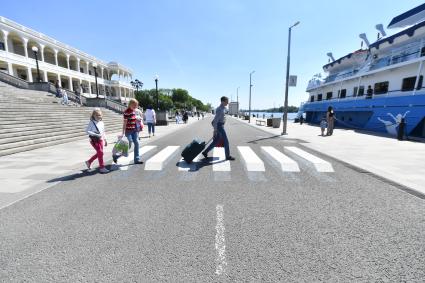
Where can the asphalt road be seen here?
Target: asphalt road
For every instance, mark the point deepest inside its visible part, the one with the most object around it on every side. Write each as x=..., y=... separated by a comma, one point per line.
x=204, y=225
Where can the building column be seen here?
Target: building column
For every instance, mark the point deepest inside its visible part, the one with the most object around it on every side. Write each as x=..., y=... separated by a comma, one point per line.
x=46, y=79
x=89, y=86
x=6, y=45
x=67, y=61
x=87, y=66
x=25, y=46
x=119, y=93
x=101, y=72
x=59, y=80
x=10, y=68
x=56, y=57
x=78, y=65
x=71, y=87
x=29, y=73
x=41, y=53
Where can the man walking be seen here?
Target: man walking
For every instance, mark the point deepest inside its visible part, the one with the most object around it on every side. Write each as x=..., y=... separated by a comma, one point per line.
x=219, y=132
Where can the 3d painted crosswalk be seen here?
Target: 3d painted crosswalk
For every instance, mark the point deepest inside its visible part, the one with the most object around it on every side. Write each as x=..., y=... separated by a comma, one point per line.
x=252, y=160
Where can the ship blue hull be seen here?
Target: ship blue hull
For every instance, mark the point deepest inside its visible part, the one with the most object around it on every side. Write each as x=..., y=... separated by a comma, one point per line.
x=381, y=114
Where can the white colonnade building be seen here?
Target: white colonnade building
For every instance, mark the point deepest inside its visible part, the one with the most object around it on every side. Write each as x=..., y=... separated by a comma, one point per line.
x=72, y=68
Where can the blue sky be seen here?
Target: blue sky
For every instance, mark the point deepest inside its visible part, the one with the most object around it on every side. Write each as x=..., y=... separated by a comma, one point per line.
x=210, y=47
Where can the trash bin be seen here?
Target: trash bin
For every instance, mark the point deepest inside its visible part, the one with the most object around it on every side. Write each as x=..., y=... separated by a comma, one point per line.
x=276, y=122
x=269, y=122
x=246, y=117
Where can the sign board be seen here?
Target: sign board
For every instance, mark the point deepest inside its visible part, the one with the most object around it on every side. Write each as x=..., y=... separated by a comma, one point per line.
x=292, y=80
x=233, y=108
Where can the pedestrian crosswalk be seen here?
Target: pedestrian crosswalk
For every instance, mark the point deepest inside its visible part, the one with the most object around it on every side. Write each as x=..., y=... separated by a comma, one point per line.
x=287, y=159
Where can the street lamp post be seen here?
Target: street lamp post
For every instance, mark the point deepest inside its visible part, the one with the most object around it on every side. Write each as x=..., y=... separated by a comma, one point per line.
x=237, y=99
x=35, y=50
x=285, y=107
x=157, y=95
x=250, y=86
x=95, y=79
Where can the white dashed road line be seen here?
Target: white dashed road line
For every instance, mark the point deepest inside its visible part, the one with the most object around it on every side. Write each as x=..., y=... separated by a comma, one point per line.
x=285, y=163
x=220, y=242
x=158, y=161
x=220, y=163
x=320, y=164
x=250, y=159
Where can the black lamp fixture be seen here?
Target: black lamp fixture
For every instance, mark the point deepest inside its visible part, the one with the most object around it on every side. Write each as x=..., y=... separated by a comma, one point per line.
x=157, y=95
x=95, y=78
x=35, y=50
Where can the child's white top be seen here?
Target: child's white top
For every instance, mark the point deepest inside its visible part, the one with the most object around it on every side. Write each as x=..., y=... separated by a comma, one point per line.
x=92, y=131
x=150, y=116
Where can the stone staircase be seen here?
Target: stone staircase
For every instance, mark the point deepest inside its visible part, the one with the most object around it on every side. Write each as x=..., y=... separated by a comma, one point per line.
x=33, y=119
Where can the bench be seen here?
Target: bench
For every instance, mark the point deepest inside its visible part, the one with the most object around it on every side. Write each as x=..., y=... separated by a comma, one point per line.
x=260, y=122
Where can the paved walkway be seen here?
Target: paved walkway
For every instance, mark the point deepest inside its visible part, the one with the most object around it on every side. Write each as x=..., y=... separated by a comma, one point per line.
x=402, y=162
x=26, y=173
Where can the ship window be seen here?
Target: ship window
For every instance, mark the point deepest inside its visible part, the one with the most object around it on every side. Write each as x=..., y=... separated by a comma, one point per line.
x=319, y=97
x=312, y=98
x=361, y=91
x=342, y=93
x=409, y=83
x=422, y=51
x=329, y=95
x=381, y=87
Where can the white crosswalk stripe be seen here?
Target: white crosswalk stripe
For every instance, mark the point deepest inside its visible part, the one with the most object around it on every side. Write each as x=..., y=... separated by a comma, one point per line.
x=124, y=161
x=158, y=161
x=251, y=160
x=285, y=163
x=248, y=156
x=193, y=166
x=320, y=164
x=220, y=163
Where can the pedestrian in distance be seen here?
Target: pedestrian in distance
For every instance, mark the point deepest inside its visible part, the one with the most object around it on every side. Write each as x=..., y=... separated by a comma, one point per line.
x=177, y=117
x=65, y=100
x=96, y=131
x=330, y=119
x=219, y=132
x=323, y=125
x=130, y=128
x=202, y=114
x=197, y=114
x=150, y=116
x=185, y=117
x=58, y=89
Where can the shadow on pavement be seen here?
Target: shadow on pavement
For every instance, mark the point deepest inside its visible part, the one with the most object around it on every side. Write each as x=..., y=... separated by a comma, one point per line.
x=74, y=176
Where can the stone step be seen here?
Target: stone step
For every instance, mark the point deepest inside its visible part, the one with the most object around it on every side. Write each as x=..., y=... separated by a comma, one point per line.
x=45, y=116
x=29, y=142
x=29, y=129
x=60, y=132
x=55, y=123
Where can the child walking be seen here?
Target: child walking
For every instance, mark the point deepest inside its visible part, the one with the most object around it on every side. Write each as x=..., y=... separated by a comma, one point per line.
x=96, y=132
x=323, y=125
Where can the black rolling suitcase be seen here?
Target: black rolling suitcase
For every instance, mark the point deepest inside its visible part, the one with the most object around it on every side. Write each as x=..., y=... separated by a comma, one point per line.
x=192, y=150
